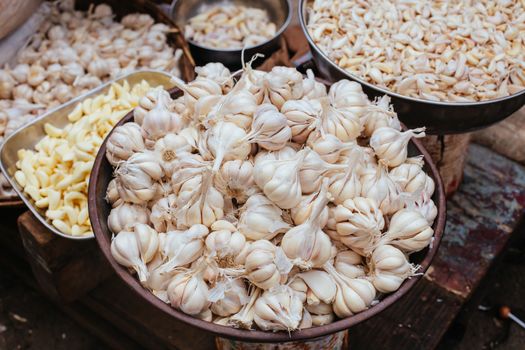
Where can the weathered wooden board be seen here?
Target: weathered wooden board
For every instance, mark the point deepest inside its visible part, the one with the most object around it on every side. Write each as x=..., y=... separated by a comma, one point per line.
x=65, y=269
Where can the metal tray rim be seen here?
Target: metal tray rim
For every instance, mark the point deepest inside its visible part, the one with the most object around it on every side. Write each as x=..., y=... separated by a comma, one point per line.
x=26, y=200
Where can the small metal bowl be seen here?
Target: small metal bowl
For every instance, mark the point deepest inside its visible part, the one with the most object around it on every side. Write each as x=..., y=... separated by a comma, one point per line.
x=29, y=135
x=99, y=209
x=279, y=11
x=437, y=117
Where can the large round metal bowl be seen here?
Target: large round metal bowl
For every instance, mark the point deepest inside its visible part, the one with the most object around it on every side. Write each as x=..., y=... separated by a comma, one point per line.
x=279, y=11
x=437, y=117
x=99, y=210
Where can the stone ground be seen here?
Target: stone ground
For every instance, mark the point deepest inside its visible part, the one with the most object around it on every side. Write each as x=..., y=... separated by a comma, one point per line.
x=29, y=321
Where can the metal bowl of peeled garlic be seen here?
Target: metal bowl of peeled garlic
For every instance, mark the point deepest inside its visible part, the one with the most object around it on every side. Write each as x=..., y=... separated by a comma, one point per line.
x=450, y=76
x=266, y=207
x=219, y=31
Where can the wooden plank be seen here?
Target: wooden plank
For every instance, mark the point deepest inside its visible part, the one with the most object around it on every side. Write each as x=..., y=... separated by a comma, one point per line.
x=481, y=217
x=65, y=269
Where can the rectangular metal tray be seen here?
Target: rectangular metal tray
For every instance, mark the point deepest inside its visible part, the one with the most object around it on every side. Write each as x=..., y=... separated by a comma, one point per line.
x=27, y=136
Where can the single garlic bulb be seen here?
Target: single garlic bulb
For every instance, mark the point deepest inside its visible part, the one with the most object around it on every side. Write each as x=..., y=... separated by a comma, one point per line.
x=23, y=92
x=304, y=209
x=228, y=297
x=345, y=185
x=391, y=145
x=180, y=248
x=379, y=115
x=321, y=314
x=226, y=141
x=389, y=267
x=328, y=146
x=340, y=122
x=280, y=85
x=278, y=309
x=124, y=215
x=412, y=178
x=148, y=102
x=238, y=107
x=279, y=179
x=235, y=179
x=260, y=267
x=169, y=149
x=123, y=142
x=349, y=264
x=20, y=73
x=303, y=117
x=160, y=121
x=306, y=244
x=379, y=185
x=353, y=294
x=321, y=287
x=270, y=129
x=197, y=89
x=225, y=242
x=134, y=249
x=261, y=219
x=189, y=292
x=162, y=214
x=358, y=223
x=348, y=95
x=425, y=206
x=314, y=169
x=205, y=206
x=137, y=178
x=408, y=231
x=313, y=89
x=218, y=73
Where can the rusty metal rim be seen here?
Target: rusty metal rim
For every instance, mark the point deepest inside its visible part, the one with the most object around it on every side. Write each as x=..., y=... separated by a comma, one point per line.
x=104, y=241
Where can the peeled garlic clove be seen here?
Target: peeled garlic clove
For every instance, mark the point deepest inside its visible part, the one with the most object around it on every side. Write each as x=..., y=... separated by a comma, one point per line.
x=390, y=144
x=188, y=293
x=126, y=215
x=321, y=284
x=261, y=269
x=233, y=296
x=306, y=244
x=261, y=219
x=126, y=251
x=358, y=222
x=278, y=310
x=123, y=142
x=408, y=231
x=389, y=267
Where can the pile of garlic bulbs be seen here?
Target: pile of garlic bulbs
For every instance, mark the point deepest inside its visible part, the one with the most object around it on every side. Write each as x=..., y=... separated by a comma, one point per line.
x=267, y=201
x=74, y=52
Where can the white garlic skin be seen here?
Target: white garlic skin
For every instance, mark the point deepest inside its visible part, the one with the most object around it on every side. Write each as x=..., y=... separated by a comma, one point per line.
x=349, y=264
x=123, y=216
x=261, y=219
x=124, y=141
x=234, y=298
x=188, y=294
x=389, y=268
x=260, y=266
x=278, y=309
